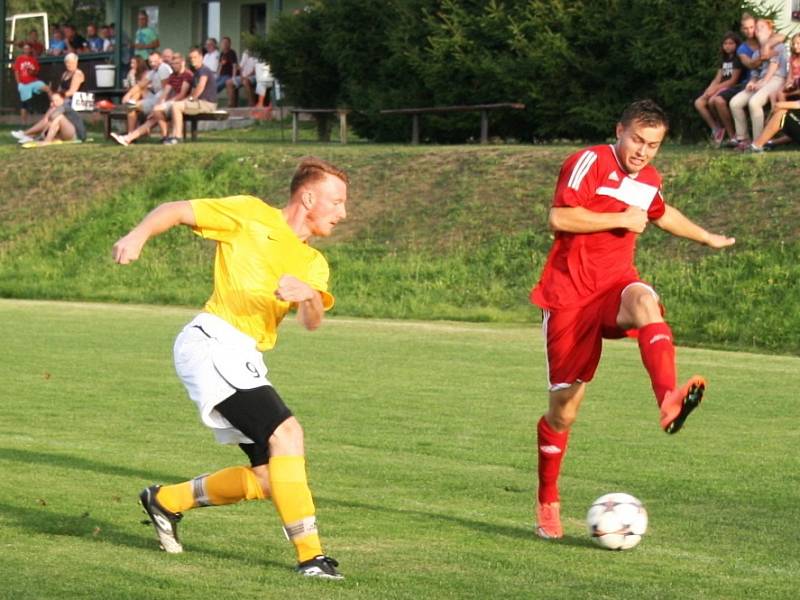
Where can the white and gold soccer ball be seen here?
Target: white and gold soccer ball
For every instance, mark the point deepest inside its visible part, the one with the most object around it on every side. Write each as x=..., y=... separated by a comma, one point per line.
x=617, y=521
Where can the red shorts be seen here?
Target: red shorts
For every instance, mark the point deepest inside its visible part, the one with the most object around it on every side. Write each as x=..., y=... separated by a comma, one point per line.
x=574, y=336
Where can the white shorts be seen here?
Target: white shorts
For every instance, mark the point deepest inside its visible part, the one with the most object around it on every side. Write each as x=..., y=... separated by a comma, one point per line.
x=213, y=359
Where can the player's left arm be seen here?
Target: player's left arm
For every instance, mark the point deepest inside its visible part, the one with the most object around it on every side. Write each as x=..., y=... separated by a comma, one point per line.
x=673, y=221
x=309, y=302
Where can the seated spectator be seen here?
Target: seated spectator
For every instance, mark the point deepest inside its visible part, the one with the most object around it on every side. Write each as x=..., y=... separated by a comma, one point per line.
x=108, y=39
x=157, y=77
x=792, y=88
x=202, y=98
x=94, y=42
x=176, y=89
x=33, y=39
x=228, y=65
x=245, y=77
x=75, y=41
x=211, y=56
x=786, y=118
x=57, y=44
x=26, y=69
x=145, y=40
x=727, y=76
x=72, y=79
x=264, y=81
x=135, y=81
x=768, y=80
x=59, y=123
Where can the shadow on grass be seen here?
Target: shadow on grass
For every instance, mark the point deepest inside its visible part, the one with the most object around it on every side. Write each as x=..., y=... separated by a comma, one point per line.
x=43, y=521
x=525, y=533
x=84, y=464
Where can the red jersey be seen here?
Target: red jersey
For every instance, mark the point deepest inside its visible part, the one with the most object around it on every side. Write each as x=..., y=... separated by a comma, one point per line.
x=581, y=266
x=26, y=67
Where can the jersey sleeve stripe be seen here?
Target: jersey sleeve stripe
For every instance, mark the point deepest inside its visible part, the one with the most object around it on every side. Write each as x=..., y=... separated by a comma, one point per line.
x=582, y=167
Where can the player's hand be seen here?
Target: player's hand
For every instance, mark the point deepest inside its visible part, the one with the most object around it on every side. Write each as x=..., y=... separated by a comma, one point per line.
x=719, y=241
x=291, y=289
x=127, y=249
x=635, y=219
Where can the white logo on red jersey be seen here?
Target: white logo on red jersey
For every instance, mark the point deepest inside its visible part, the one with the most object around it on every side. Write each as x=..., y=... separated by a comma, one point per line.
x=631, y=192
x=613, y=176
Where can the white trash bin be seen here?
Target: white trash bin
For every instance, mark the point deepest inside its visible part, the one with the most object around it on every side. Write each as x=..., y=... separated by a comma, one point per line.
x=104, y=75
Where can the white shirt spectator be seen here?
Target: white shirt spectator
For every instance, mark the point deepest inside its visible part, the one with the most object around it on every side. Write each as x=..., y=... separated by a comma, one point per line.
x=247, y=65
x=158, y=77
x=211, y=60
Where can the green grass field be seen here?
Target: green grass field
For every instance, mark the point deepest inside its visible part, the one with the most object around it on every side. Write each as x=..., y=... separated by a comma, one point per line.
x=420, y=439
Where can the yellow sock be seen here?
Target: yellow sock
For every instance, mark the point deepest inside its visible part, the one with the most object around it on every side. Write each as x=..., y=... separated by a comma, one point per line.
x=292, y=498
x=227, y=486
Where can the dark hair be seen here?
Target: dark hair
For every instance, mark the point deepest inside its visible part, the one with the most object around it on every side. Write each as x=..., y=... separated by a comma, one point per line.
x=313, y=169
x=730, y=35
x=646, y=112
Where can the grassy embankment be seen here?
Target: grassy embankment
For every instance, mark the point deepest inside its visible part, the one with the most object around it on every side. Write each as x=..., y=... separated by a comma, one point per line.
x=453, y=232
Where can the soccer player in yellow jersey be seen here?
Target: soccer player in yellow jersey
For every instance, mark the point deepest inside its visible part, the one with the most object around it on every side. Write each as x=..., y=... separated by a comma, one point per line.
x=263, y=267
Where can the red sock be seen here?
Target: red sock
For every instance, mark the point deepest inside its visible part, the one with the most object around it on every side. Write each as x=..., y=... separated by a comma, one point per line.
x=552, y=446
x=658, y=356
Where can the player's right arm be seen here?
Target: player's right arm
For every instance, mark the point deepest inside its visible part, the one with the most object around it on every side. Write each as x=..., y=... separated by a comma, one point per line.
x=576, y=219
x=160, y=219
x=577, y=184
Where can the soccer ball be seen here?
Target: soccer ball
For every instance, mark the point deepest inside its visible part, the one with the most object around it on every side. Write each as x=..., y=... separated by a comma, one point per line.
x=617, y=521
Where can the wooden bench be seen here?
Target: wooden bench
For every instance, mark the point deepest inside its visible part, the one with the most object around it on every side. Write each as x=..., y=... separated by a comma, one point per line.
x=121, y=114
x=342, y=112
x=483, y=108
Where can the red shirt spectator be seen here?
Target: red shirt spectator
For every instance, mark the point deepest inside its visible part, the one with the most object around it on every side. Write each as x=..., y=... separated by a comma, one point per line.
x=26, y=67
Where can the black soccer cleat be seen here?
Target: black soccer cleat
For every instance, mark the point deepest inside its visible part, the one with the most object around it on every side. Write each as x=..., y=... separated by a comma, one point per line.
x=165, y=522
x=320, y=566
x=679, y=404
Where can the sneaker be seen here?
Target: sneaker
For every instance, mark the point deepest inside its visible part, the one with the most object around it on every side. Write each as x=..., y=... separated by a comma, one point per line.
x=753, y=149
x=732, y=143
x=678, y=404
x=548, y=521
x=718, y=135
x=18, y=134
x=25, y=139
x=131, y=102
x=171, y=141
x=165, y=522
x=320, y=566
x=120, y=139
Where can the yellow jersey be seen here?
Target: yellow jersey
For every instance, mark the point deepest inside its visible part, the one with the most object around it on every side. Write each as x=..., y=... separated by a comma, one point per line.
x=255, y=248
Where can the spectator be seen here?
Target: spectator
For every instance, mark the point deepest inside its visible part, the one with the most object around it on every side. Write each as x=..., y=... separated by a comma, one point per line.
x=749, y=55
x=145, y=38
x=228, y=65
x=245, y=77
x=33, y=39
x=176, y=89
x=108, y=41
x=94, y=42
x=727, y=76
x=26, y=69
x=75, y=41
x=59, y=123
x=211, y=57
x=72, y=79
x=792, y=88
x=202, y=98
x=786, y=118
x=768, y=80
x=135, y=81
x=156, y=80
x=57, y=44
x=264, y=81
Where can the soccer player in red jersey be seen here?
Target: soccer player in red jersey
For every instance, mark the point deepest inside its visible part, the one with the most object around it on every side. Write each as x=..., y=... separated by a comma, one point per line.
x=590, y=289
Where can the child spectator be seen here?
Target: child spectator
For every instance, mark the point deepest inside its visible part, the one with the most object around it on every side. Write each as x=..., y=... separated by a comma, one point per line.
x=792, y=88
x=26, y=68
x=57, y=44
x=727, y=76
